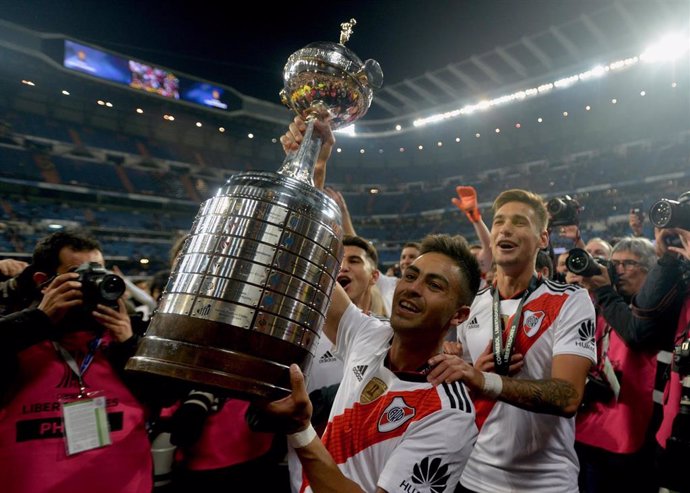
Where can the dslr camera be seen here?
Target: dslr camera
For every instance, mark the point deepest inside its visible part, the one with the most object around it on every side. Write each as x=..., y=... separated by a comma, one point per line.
x=99, y=285
x=667, y=213
x=563, y=211
x=580, y=262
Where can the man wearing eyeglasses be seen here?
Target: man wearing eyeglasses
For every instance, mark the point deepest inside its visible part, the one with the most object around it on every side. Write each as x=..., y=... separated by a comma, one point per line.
x=612, y=442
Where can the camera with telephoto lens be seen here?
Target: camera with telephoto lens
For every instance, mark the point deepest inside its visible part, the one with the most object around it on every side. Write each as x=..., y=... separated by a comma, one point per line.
x=675, y=457
x=580, y=262
x=187, y=422
x=563, y=211
x=99, y=285
x=667, y=213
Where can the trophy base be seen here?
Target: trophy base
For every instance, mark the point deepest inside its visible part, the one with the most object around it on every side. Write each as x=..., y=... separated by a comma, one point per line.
x=188, y=353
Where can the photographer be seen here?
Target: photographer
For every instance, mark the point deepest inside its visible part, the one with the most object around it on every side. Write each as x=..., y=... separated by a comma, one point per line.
x=662, y=316
x=673, y=436
x=613, y=445
x=61, y=361
x=564, y=219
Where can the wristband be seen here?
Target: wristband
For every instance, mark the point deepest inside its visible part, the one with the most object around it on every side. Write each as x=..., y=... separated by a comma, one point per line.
x=493, y=385
x=473, y=215
x=302, y=438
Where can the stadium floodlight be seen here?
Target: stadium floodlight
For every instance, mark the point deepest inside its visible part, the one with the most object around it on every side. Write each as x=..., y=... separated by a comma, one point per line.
x=349, y=131
x=598, y=71
x=670, y=47
x=565, y=82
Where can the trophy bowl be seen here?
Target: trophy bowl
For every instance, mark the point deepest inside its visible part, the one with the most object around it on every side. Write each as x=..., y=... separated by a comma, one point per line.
x=326, y=76
x=250, y=288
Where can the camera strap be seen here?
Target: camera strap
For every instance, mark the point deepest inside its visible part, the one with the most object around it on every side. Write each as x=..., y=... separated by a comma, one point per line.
x=501, y=354
x=79, y=371
x=606, y=366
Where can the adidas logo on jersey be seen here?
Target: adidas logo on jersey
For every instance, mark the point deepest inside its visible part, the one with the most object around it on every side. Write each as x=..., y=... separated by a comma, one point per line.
x=359, y=371
x=473, y=324
x=327, y=357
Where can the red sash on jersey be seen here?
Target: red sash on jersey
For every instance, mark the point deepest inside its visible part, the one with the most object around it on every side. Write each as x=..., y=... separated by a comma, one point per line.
x=359, y=427
x=549, y=305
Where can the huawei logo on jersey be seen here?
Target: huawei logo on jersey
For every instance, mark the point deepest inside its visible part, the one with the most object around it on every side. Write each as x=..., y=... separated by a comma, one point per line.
x=395, y=415
x=586, y=333
x=428, y=475
x=532, y=322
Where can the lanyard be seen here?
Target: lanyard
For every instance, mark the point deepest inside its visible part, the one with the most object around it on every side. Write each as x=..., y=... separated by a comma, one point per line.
x=79, y=371
x=605, y=344
x=502, y=355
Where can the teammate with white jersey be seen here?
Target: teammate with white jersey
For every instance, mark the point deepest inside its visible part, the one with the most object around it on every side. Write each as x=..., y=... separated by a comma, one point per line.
x=540, y=333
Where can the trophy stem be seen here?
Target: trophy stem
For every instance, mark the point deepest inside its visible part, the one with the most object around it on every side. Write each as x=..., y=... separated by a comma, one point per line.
x=299, y=164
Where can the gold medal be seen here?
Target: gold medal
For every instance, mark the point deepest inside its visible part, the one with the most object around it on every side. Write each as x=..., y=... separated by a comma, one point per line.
x=373, y=390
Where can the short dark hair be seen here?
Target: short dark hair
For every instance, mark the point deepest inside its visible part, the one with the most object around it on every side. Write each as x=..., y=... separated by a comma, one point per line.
x=46, y=256
x=456, y=248
x=544, y=260
x=411, y=244
x=526, y=197
x=358, y=241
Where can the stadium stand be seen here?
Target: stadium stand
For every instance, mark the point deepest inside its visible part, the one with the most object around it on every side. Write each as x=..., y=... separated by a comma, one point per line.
x=140, y=180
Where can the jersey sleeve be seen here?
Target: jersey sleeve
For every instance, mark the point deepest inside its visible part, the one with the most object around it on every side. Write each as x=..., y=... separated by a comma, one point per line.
x=463, y=341
x=356, y=328
x=431, y=457
x=575, y=327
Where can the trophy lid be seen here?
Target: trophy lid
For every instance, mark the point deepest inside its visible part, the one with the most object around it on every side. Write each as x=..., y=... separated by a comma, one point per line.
x=329, y=75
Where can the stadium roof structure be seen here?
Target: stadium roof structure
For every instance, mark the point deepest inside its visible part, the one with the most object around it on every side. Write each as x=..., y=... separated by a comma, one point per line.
x=556, y=46
x=613, y=30
x=617, y=29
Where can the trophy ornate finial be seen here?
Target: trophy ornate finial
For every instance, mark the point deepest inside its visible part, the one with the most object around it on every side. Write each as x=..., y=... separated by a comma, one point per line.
x=326, y=81
x=346, y=31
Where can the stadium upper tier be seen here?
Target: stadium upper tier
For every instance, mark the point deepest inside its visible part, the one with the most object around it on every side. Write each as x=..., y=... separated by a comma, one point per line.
x=139, y=206
x=137, y=166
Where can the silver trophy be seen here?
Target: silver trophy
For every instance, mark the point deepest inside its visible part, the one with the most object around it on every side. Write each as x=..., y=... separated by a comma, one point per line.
x=250, y=288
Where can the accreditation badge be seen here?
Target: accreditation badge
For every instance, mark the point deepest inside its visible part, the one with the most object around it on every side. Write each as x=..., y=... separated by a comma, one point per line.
x=85, y=423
